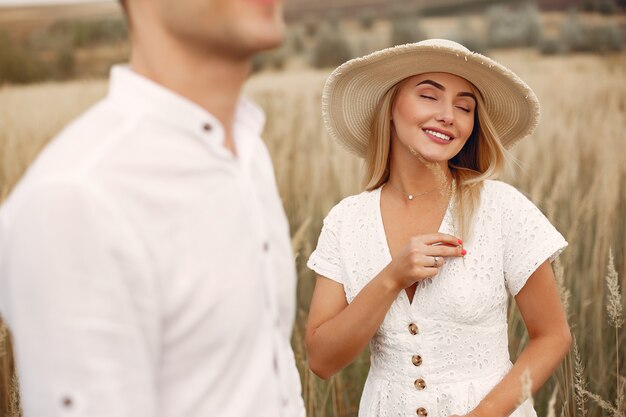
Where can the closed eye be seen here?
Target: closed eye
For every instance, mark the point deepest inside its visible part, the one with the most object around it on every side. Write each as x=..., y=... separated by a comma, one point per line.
x=428, y=97
x=465, y=109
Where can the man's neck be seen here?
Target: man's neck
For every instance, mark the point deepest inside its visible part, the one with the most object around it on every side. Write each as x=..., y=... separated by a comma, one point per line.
x=212, y=81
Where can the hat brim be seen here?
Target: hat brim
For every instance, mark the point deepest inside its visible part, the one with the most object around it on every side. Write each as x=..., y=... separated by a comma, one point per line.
x=354, y=89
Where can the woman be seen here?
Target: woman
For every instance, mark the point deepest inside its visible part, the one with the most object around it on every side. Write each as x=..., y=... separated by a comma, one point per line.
x=420, y=264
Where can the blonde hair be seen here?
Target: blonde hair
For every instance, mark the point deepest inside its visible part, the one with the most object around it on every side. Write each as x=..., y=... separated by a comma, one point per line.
x=483, y=157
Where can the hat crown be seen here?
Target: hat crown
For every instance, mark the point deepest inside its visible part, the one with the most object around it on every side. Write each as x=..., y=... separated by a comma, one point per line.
x=353, y=90
x=443, y=43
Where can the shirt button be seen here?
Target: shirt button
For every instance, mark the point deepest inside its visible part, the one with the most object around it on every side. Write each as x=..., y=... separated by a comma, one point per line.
x=421, y=412
x=266, y=246
x=416, y=359
x=67, y=402
x=207, y=127
x=413, y=328
x=420, y=384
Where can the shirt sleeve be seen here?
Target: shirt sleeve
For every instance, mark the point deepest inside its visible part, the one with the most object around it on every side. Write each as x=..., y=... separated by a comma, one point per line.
x=78, y=304
x=529, y=239
x=325, y=259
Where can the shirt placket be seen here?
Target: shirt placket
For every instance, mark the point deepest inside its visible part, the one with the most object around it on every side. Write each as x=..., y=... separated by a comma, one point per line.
x=269, y=282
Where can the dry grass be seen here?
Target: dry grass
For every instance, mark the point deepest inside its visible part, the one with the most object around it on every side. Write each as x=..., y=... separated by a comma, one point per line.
x=573, y=168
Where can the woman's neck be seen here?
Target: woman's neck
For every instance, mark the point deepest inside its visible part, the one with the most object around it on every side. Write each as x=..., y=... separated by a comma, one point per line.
x=412, y=174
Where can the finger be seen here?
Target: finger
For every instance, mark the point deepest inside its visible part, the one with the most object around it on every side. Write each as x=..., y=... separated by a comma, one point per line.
x=441, y=238
x=427, y=273
x=445, y=251
x=429, y=262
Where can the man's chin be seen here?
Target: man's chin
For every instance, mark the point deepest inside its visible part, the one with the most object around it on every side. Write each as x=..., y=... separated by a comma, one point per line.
x=270, y=39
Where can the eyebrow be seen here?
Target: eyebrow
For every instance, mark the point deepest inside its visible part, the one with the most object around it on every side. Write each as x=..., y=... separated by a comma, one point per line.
x=442, y=88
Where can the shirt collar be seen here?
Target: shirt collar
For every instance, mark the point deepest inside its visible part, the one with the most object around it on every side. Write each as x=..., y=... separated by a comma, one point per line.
x=134, y=92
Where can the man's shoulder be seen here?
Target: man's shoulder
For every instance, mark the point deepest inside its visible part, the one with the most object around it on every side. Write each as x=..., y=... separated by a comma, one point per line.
x=67, y=155
x=79, y=143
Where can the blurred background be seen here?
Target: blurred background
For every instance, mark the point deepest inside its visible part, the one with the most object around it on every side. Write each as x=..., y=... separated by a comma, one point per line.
x=59, y=42
x=54, y=61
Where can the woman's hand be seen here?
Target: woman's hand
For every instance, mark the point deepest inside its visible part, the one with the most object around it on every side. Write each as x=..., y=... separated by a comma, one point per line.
x=422, y=258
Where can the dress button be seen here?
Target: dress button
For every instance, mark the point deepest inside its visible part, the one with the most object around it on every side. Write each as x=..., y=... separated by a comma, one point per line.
x=207, y=127
x=266, y=246
x=420, y=384
x=416, y=359
x=413, y=328
x=422, y=412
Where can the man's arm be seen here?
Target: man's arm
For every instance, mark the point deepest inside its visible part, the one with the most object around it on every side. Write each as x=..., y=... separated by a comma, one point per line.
x=80, y=304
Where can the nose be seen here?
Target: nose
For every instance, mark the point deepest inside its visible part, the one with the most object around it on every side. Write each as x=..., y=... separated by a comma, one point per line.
x=446, y=114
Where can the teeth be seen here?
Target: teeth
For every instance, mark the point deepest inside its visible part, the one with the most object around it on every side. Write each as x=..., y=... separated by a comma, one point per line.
x=439, y=135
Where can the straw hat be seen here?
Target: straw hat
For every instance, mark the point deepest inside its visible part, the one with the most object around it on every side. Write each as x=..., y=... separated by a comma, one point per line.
x=353, y=90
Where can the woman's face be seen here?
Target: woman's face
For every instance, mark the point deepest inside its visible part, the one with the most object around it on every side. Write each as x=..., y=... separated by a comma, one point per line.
x=433, y=115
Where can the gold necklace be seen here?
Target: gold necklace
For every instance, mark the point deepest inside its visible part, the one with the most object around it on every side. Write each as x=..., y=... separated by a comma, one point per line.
x=411, y=196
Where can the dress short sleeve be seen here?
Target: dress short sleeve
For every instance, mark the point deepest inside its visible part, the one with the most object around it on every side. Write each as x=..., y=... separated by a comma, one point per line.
x=529, y=238
x=325, y=259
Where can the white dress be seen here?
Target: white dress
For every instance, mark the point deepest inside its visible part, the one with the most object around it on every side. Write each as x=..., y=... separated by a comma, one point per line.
x=442, y=353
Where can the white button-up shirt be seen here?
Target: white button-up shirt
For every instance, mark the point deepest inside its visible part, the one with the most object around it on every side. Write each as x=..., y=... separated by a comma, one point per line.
x=146, y=271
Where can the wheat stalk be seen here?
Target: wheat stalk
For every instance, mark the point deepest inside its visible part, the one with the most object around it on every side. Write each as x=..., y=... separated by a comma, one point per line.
x=605, y=405
x=614, y=304
x=526, y=384
x=552, y=403
x=564, y=292
x=616, y=319
x=580, y=385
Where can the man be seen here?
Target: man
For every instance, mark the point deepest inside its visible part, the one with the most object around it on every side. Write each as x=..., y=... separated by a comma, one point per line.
x=145, y=261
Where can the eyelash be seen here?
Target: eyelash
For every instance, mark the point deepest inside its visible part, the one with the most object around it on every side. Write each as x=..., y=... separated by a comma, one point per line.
x=433, y=98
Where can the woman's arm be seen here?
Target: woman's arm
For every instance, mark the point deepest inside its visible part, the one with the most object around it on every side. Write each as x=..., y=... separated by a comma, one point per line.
x=337, y=331
x=549, y=341
x=333, y=339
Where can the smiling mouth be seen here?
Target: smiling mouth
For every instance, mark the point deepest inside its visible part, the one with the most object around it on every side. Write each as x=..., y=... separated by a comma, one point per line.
x=438, y=135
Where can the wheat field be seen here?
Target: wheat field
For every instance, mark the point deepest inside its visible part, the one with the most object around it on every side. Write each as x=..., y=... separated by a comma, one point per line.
x=573, y=167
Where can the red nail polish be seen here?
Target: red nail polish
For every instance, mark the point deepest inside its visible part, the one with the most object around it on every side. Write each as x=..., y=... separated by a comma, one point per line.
x=460, y=242
x=463, y=252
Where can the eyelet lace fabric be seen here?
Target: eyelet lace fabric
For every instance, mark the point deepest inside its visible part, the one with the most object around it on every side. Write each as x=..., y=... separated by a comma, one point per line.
x=457, y=322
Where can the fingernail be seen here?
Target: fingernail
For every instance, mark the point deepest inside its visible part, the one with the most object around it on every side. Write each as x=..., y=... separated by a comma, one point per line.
x=460, y=242
x=463, y=252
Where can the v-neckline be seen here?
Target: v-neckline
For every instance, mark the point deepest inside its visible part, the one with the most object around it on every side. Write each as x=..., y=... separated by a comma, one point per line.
x=381, y=230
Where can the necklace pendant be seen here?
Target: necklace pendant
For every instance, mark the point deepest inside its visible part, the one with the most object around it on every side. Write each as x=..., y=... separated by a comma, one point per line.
x=410, y=197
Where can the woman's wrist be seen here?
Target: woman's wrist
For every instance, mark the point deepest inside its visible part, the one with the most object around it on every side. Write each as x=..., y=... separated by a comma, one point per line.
x=485, y=409
x=389, y=280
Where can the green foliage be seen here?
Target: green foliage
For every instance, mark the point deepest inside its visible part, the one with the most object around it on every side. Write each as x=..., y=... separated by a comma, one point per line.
x=331, y=48
x=407, y=29
x=574, y=35
x=601, y=6
x=294, y=40
x=606, y=38
x=275, y=59
x=81, y=33
x=17, y=65
x=367, y=17
x=514, y=27
x=467, y=35
x=550, y=45
x=65, y=63
x=577, y=37
x=310, y=25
